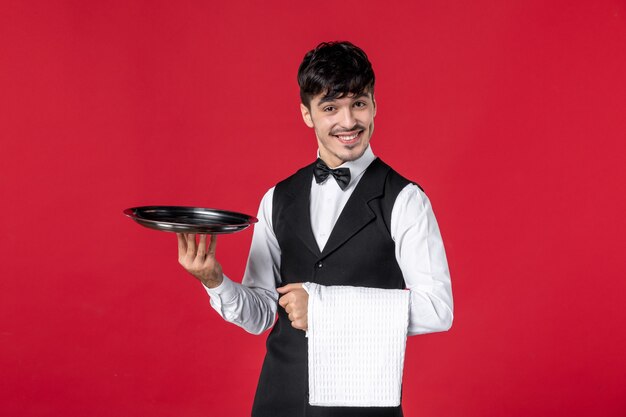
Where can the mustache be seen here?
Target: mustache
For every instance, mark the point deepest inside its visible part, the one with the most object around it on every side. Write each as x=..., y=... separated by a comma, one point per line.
x=357, y=126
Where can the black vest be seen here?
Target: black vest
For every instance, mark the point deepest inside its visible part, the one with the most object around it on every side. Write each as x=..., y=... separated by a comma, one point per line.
x=359, y=252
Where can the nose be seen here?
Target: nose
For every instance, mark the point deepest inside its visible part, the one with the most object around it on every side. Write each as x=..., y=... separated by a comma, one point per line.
x=347, y=120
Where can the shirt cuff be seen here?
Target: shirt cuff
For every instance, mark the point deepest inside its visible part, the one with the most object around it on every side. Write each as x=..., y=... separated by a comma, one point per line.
x=226, y=292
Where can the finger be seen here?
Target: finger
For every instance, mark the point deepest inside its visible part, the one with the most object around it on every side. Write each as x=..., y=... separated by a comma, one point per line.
x=289, y=287
x=283, y=301
x=182, y=244
x=299, y=324
x=212, y=244
x=201, y=247
x=191, y=245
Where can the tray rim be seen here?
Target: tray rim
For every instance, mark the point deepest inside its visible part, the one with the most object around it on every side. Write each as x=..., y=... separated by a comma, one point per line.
x=131, y=212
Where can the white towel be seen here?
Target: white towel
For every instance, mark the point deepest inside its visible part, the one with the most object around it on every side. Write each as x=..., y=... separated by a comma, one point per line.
x=357, y=339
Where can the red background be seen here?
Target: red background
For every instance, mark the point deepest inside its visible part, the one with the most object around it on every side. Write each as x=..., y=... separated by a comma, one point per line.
x=510, y=114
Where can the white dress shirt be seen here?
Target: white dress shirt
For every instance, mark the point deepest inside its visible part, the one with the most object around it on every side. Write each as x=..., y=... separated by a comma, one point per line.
x=419, y=252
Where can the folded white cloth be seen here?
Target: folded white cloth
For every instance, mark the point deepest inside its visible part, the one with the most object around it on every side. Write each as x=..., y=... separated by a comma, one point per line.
x=357, y=339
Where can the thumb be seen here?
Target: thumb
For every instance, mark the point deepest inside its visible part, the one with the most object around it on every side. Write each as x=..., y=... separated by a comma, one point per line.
x=289, y=287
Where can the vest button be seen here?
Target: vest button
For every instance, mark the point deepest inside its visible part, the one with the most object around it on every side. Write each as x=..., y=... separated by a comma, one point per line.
x=319, y=265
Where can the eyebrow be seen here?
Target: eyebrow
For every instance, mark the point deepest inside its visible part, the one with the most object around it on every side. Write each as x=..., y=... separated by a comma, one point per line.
x=329, y=99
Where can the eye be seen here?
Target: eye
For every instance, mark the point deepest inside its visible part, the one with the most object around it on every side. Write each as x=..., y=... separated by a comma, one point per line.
x=360, y=104
x=328, y=108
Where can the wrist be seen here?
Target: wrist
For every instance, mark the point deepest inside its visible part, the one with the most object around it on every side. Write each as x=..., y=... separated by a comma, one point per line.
x=212, y=283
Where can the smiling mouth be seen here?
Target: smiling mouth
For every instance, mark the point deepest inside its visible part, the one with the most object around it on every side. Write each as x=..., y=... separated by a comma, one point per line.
x=349, y=137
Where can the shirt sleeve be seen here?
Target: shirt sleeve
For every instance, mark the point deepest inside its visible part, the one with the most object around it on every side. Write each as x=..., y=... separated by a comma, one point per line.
x=252, y=304
x=422, y=259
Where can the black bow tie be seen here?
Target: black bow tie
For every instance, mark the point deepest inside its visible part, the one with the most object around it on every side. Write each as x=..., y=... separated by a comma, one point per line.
x=321, y=172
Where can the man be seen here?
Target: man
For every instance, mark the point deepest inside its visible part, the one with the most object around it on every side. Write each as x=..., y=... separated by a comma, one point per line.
x=346, y=221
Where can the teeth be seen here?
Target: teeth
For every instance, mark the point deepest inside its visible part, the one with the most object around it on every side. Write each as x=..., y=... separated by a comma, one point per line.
x=348, y=137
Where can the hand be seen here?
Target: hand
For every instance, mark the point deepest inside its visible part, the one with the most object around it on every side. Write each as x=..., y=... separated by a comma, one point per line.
x=295, y=301
x=198, y=260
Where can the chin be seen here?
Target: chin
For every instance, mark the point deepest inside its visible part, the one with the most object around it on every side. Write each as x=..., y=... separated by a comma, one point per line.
x=354, y=154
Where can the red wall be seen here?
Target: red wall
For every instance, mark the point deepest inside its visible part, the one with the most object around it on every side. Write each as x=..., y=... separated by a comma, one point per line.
x=510, y=114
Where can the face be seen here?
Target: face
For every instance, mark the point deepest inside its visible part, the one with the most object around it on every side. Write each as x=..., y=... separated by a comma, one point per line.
x=343, y=126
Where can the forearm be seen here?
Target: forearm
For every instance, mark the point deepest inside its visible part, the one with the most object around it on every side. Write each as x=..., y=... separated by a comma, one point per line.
x=252, y=304
x=428, y=312
x=251, y=308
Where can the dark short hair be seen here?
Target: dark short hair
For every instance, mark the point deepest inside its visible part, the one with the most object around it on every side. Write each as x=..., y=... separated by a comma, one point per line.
x=336, y=69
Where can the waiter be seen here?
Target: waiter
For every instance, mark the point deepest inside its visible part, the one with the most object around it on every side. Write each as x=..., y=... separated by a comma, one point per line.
x=346, y=221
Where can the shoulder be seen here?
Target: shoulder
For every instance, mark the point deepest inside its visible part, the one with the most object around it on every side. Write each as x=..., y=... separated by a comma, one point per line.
x=406, y=200
x=396, y=187
x=292, y=183
x=267, y=198
x=411, y=195
x=264, y=215
x=396, y=181
x=412, y=214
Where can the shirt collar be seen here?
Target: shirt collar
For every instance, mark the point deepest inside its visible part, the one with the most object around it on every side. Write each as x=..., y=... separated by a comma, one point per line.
x=358, y=166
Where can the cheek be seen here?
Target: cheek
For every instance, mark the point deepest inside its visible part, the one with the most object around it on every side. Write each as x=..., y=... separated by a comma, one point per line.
x=321, y=134
x=325, y=127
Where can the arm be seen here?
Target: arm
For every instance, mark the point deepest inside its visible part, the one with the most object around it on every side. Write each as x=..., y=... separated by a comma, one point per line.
x=251, y=304
x=422, y=259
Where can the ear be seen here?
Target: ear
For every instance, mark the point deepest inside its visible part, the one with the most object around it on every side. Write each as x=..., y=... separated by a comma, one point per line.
x=306, y=115
x=374, y=101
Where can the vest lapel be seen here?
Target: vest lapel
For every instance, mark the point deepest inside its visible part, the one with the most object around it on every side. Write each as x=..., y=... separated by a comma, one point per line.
x=299, y=209
x=357, y=214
